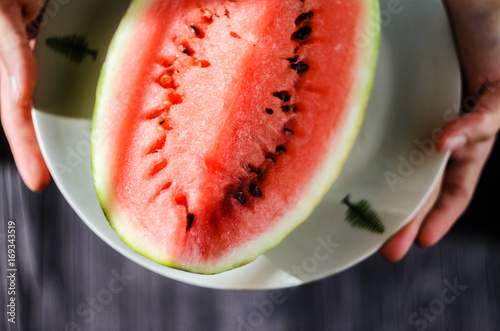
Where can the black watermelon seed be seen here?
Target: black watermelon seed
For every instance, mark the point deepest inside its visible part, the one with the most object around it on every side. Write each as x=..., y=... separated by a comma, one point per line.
x=293, y=59
x=294, y=108
x=288, y=130
x=280, y=149
x=240, y=196
x=282, y=95
x=184, y=50
x=303, y=33
x=273, y=160
x=190, y=220
x=285, y=109
x=193, y=28
x=303, y=17
x=255, y=190
x=300, y=67
x=269, y=111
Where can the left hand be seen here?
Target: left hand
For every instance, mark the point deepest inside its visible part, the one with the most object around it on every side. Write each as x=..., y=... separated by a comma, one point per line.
x=18, y=77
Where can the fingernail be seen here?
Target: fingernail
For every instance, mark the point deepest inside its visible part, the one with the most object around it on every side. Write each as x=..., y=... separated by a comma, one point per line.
x=14, y=89
x=454, y=143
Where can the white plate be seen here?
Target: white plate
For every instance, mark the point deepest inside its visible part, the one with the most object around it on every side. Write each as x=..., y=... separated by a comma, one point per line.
x=417, y=88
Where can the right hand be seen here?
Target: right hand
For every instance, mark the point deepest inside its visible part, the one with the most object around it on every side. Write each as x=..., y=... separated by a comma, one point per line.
x=471, y=136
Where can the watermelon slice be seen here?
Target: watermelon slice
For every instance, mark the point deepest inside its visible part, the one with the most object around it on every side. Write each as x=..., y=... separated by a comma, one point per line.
x=220, y=124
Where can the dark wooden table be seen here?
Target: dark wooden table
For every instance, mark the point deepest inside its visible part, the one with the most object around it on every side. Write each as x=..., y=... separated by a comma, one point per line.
x=68, y=279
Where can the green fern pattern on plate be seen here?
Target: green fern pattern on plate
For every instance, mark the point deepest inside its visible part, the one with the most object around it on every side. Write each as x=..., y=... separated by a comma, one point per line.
x=74, y=47
x=361, y=215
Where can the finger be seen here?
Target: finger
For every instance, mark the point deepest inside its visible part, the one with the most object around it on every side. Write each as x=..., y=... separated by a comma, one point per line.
x=18, y=71
x=479, y=125
x=460, y=182
x=16, y=55
x=398, y=245
x=19, y=130
x=33, y=27
x=30, y=9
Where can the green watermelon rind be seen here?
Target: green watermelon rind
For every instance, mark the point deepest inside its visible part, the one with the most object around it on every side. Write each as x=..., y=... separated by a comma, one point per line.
x=111, y=66
x=321, y=183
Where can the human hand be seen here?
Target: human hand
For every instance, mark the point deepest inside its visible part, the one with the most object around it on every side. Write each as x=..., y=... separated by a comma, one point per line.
x=17, y=83
x=471, y=136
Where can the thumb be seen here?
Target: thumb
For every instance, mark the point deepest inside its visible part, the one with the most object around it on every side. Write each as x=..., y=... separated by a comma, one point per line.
x=16, y=55
x=479, y=125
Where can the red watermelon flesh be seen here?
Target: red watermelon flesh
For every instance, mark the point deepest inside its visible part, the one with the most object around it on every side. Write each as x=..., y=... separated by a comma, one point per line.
x=220, y=124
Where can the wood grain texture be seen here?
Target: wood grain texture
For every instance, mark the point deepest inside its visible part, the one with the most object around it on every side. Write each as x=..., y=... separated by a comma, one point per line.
x=67, y=278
